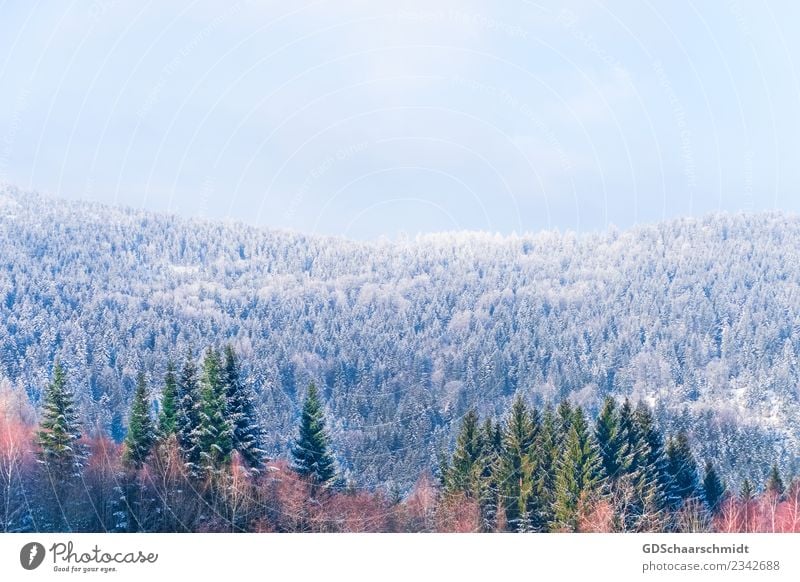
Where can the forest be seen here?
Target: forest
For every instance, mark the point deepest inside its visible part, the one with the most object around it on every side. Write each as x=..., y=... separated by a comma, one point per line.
x=198, y=464
x=697, y=317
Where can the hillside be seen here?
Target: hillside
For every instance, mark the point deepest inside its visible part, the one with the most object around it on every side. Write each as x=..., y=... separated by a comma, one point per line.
x=700, y=318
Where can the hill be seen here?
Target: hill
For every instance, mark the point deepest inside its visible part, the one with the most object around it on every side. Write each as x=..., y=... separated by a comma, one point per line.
x=699, y=317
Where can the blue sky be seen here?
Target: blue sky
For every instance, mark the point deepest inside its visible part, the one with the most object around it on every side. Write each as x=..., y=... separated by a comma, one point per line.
x=368, y=119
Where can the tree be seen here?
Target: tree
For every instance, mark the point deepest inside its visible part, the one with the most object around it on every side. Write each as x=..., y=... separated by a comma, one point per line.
x=247, y=434
x=488, y=483
x=168, y=417
x=464, y=471
x=611, y=441
x=516, y=464
x=544, y=476
x=682, y=469
x=141, y=432
x=214, y=432
x=713, y=488
x=310, y=455
x=60, y=430
x=774, y=485
x=579, y=477
x=188, y=416
x=652, y=480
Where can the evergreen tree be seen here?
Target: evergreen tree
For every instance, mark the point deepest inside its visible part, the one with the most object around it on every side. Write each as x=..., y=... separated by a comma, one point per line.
x=611, y=441
x=682, y=469
x=632, y=442
x=60, y=430
x=310, y=455
x=774, y=483
x=248, y=436
x=746, y=491
x=188, y=417
x=464, y=471
x=652, y=477
x=544, y=477
x=564, y=415
x=168, y=416
x=517, y=465
x=488, y=484
x=713, y=488
x=141, y=432
x=214, y=433
x=579, y=477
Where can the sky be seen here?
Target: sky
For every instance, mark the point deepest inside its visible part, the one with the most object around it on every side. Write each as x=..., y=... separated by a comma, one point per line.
x=371, y=119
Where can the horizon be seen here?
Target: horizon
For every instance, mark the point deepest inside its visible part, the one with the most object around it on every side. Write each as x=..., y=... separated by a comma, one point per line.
x=401, y=235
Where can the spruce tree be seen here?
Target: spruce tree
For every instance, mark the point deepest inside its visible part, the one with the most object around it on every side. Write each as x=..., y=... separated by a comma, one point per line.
x=610, y=440
x=653, y=481
x=214, y=433
x=188, y=417
x=141, y=432
x=464, y=471
x=713, y=488
x=168, y=416
x=746, y=491
x=311, y=458
x=682, y=469
x=774, y=483
x=516, y=472
x=564, y=416
x=247, y=435
x=544, y=475
x=60, y=430
x=579, y=478
x=488, y=484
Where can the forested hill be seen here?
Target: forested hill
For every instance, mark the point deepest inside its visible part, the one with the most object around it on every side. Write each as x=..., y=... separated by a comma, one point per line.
x=699, y=317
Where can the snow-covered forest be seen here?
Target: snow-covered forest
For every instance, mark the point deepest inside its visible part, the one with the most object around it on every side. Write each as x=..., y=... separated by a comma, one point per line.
x=700, y=318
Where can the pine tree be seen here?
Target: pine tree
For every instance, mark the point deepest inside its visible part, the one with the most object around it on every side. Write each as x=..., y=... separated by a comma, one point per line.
x=248, y=436
x=188, y=417
x=464, y=470
x=141, y=432
x=682, y=469
x=214, y=433
x=310, y=455
x=579, y=478
x=774, y=483
x=168, y=416
x=516, y=472
x=713, y=488
x=60, y=430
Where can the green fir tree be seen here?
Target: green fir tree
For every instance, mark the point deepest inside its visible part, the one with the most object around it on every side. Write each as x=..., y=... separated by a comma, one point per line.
x=682, y=469
x=774, y=483
x=517, y=465
x=242, y=413
x=713, y=488
x=141, y=433
x=214, y=433
x=60, y=430
x=188, y=416
x=464, y=471
x=311, y=457
x=579, y=478
x=168, y=416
